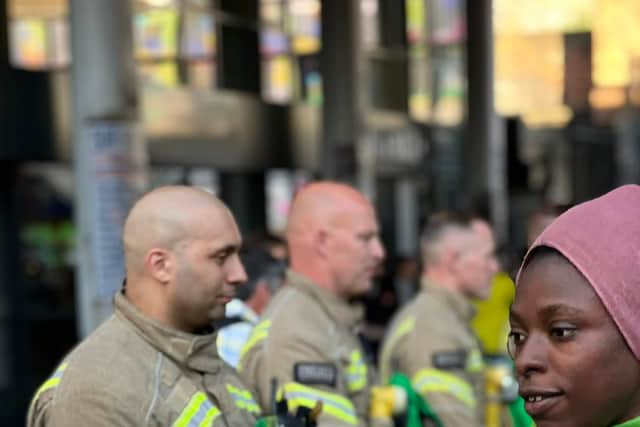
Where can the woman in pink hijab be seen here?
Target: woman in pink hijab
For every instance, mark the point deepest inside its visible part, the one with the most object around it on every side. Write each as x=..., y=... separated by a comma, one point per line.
x=575, y=320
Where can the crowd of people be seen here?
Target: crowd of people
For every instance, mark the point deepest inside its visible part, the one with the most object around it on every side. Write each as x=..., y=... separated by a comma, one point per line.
x=210, y=331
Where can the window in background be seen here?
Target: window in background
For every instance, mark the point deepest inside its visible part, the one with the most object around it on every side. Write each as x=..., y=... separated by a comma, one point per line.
x=155, y=44
x=447, y=41
x=420, y=96
x=39, y=34
x=436, y=36
x=289, y=47
x=175, y=43
x=198, y=46
x=39, y=43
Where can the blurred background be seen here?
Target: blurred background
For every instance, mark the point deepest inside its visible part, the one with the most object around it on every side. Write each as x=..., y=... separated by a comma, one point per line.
x=503, y=106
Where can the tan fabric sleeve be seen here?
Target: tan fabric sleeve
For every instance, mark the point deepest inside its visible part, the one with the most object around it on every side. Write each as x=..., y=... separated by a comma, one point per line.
x=449, y=392
x=276, y=356
x=97, y=408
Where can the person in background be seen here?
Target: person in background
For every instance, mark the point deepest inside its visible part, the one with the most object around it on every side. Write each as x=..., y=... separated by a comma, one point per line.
x=430, y=339
x=265, y=274
x=154, y=361
x=406, y=278
x=574, y=321
x=307, y=338
x=491, y=322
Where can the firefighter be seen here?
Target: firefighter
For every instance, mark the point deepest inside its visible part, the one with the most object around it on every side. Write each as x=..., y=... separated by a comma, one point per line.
x=154, y=362
x=307, y=338
x=430, y=340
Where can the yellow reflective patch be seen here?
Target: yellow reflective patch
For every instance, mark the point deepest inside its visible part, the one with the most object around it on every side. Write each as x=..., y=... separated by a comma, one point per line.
x=199, y=412
x=474, y=361
x=434, y=380
x=243, y=399
x=356, y=372
x=333, y=404
x=53, y=381
x=259, y=333
x=406, y=326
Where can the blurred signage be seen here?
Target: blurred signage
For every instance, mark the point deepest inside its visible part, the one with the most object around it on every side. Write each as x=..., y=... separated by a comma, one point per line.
x=398, y=148
x=156, y=33
x=117, y=164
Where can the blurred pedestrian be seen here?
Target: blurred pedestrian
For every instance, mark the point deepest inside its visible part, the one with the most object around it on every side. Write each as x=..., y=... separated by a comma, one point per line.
x=265, y=275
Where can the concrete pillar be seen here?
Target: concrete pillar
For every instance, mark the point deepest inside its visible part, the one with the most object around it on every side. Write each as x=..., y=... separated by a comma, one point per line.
x=406, y=217
x=342, y=107
x=108, y=155
x=485, y=149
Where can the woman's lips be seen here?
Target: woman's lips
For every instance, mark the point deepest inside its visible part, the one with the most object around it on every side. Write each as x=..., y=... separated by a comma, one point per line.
x=539, y=403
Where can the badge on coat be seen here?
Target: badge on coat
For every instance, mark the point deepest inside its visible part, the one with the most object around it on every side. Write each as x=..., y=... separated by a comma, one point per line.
x=470, y=361
x=315, y=373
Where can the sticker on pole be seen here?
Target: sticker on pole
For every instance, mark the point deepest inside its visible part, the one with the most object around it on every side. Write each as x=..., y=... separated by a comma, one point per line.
x=116, y=173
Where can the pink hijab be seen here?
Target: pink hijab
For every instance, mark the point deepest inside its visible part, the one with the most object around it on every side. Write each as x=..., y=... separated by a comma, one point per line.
x=601, y=238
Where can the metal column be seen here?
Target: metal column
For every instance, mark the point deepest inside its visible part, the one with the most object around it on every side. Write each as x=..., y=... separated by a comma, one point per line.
x=104, y=88
x=342, y=106
x=485, y=151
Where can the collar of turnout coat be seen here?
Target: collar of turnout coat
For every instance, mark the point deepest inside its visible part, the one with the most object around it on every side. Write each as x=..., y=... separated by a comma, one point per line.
x=196, y=352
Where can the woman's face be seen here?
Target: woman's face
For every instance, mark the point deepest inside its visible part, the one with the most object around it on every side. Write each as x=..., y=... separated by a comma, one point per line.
x=573, y=365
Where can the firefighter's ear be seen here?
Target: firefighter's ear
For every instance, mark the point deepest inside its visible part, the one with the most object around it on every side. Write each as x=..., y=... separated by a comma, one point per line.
x=449, y=258
x=160, y=264
x=321, y=242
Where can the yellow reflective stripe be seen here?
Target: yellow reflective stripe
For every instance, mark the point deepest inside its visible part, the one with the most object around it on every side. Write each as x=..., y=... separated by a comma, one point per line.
x=405, y=327
x=243, y=399
x=333, y=404
x=53, y=381
x=356, y=372
x=474, y=361
x=260, y=332
x=434, y=380
x=199, y=412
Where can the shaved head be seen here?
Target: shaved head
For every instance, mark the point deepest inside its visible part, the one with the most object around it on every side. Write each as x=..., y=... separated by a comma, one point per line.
x=181, y=251
x=333, y=237
x=322, y=203
x=164, y=217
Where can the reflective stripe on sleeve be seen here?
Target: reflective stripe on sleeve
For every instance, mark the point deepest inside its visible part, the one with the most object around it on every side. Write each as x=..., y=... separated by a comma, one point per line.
x=260, y=332
x=199, y=412
x=53, y=381
x=243, y=399
x=434, y=380
x=356, y=372
x=406, y=326
x=333, y=404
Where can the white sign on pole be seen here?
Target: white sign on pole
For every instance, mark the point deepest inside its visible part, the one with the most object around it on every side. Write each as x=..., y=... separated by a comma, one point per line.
x=117, y=176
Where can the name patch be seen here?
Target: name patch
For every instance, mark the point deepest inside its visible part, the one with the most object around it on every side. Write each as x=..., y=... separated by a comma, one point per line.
x=315, y=373
x=450, y=360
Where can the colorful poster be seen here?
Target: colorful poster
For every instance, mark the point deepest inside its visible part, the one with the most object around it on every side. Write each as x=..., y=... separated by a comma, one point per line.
x=29, y=44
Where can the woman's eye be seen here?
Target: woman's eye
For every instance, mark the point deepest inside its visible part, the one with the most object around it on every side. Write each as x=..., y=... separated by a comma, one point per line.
x=563, y=333
x=514, y=342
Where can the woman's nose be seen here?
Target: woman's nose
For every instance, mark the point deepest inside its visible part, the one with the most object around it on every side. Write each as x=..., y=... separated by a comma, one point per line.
x=531, y=357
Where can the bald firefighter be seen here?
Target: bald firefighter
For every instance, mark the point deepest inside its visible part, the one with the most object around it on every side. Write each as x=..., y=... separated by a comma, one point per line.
x=154, y=362
x=307, y=338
